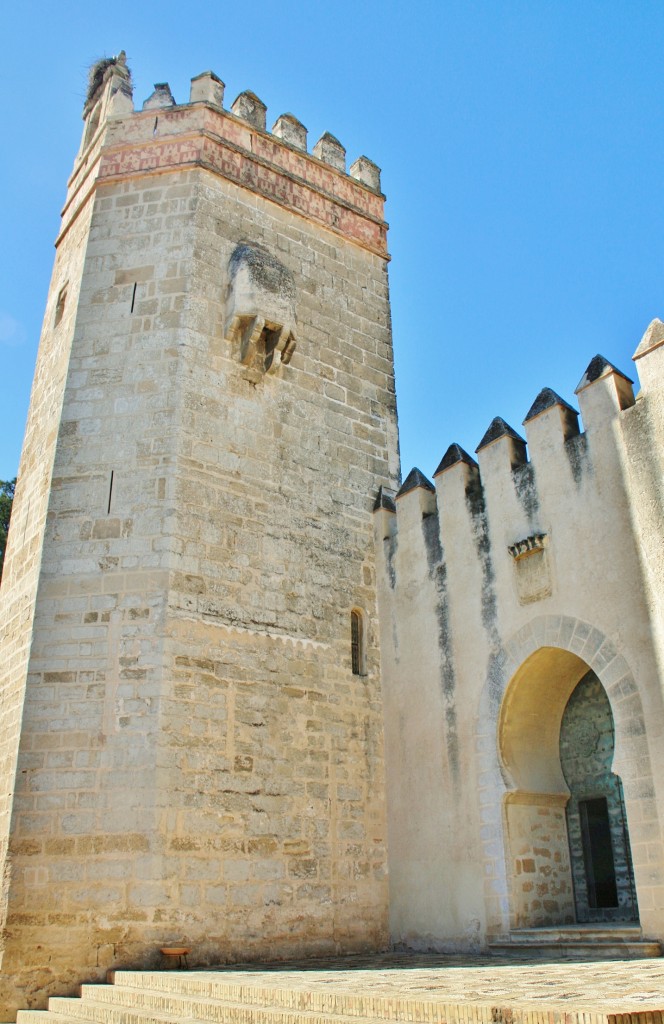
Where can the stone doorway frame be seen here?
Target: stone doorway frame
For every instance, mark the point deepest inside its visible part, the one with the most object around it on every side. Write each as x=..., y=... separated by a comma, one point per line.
x=550, y=642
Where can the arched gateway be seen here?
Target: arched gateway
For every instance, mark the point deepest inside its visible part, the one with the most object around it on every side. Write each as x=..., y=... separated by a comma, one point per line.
x=570, y=731
x=567, y=843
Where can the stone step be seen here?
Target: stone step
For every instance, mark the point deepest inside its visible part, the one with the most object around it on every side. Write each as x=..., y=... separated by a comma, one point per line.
x=113, y=1004
x=45, y=1017
x=579, y=933
x=136, y=1007
x=79, y=1011
x=269, y=1010
x=578, y=950
x=237, y=991
x=599, y=941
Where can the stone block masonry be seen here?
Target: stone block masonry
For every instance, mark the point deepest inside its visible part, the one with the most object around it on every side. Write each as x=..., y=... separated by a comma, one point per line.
x=198, y=763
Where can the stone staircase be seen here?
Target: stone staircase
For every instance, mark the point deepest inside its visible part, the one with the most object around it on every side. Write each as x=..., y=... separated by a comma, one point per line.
x=207, y=996
x=137, y=998
x=378, y=989
x=579, y=942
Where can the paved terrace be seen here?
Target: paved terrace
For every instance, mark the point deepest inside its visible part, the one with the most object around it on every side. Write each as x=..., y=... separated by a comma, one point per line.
x=451, y=988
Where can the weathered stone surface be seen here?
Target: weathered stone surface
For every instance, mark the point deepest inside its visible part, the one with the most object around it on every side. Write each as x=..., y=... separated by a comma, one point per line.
x=250, y=108
x=161, y=98
x=207, y=88
x=329, y=149
x=290, y=130
x=366, y=171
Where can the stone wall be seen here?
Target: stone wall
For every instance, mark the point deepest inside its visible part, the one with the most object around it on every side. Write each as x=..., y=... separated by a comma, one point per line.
x=499, y=587
x=21, y=576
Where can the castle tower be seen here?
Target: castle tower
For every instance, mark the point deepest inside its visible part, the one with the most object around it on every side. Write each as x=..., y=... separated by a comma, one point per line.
x=191, y=745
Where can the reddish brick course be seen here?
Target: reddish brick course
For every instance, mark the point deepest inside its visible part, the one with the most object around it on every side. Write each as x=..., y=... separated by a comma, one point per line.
x=203, y=137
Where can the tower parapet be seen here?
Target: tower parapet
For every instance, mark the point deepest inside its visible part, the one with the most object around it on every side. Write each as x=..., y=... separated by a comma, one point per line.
x=166, y=137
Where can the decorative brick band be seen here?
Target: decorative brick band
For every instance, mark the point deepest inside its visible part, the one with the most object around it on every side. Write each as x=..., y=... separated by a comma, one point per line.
x=255, y=161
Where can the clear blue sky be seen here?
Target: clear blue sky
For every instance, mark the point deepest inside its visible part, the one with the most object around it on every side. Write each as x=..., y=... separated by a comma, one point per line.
x=522, y=149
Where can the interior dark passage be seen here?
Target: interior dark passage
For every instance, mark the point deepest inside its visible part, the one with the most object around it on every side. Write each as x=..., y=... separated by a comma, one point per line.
x=598, y=853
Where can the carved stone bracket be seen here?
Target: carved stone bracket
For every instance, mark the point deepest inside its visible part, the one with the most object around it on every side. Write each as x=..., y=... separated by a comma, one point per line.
x=259, y=341
x=528, y=545
x=260, y=319
x=532, y=569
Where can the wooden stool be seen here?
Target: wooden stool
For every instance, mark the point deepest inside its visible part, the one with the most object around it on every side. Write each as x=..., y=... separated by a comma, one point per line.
x=171, y=952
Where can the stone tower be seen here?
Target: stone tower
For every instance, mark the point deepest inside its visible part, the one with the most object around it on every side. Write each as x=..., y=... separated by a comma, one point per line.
x=191, y=745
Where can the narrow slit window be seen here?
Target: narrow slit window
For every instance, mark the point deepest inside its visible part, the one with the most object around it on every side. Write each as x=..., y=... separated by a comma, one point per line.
x=60, y=306
x=357, y=643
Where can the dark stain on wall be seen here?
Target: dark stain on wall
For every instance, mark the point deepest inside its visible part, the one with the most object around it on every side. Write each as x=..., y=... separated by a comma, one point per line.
x=264, y=268
x=390, y=552
x=576, y=450
x=438, y=575
x=476, y=505
x=526, y=491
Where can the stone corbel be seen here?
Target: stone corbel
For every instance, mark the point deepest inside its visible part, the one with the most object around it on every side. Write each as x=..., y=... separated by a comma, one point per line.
x=258, y=342
x=260, y=309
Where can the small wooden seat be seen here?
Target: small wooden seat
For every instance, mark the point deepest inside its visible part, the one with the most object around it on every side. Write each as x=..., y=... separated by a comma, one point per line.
x=171, y=952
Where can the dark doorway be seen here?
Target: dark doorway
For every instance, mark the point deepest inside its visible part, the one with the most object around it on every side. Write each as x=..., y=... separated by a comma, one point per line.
x=598, y=853
x=600, y=856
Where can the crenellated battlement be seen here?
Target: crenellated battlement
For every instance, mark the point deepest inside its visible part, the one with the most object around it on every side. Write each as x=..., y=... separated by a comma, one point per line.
x=519, y=487
x=164, y=135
